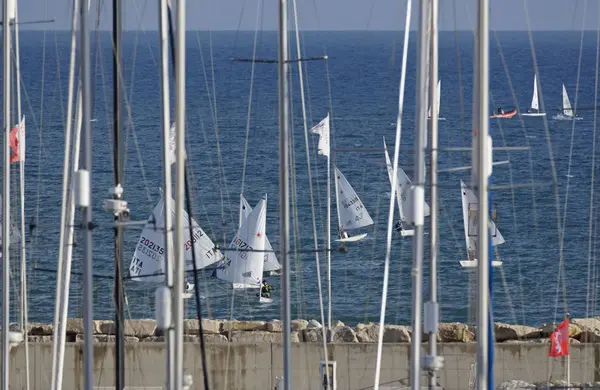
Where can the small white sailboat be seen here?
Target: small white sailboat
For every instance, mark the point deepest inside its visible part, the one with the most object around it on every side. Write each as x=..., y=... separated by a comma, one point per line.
x=404, y=191
x=148, y=263
x=245, y=260
x=439, y=89
x=352, y=213
x=469, y=208
x=534, y=109
x=567, y=111
x=272, y=266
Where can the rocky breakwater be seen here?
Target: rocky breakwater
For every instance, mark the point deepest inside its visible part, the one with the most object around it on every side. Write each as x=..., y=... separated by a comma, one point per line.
x=582, y=330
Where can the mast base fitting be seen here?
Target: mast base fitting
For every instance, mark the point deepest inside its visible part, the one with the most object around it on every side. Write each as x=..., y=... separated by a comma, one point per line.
x=432, y=363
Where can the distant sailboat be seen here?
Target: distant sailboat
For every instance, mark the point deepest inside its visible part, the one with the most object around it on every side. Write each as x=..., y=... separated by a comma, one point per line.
x=272, y=265
x=148, y=263
x=404, y=191
x=567, y=112
x=439, y=90
x=352, y=213
x=470, y=208
x=245, y=260
x=534, y=109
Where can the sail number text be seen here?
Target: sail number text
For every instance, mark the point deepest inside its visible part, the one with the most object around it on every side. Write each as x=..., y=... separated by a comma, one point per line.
x=238, y=243
x=196, y=237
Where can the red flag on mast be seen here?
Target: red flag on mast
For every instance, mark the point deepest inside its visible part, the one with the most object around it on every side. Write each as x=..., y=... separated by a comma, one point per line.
x=559, y=340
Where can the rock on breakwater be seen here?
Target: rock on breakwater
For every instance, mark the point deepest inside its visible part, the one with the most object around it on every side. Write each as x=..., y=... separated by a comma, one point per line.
x=585, y=330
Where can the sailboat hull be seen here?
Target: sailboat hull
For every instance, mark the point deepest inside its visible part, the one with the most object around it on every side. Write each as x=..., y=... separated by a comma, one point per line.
x=506, y=115
x=407, y=233
x=353, y=238
x=473, y=263
x=265, y=300
x=533, y=114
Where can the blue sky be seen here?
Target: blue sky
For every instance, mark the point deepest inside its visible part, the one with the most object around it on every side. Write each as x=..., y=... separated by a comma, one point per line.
x=328, y=14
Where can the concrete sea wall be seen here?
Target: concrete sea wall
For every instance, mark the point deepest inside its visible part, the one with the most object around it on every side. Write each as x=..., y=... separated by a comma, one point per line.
x=247, y=354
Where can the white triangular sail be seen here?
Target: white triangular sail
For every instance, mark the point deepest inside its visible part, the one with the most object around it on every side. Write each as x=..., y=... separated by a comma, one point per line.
x=352, y=213
x=271, y=262
x=535, y=105
x=469, y=208
x=148, y=258
x=404, y=191
x=245, y=258
x=439, y=89
x=566, y=104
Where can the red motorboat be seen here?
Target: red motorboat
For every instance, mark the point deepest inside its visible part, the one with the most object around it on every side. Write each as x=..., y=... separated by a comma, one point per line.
x=504, y=114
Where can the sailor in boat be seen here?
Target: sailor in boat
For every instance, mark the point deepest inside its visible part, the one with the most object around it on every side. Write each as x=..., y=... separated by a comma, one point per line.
x=265, y=289
x=399, y=226
x=343, y=234
x=500, y=110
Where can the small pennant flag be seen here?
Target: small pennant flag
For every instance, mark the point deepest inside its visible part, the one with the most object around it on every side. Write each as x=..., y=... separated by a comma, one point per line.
x=17, y=142
x=172, y=145
x=322, y=128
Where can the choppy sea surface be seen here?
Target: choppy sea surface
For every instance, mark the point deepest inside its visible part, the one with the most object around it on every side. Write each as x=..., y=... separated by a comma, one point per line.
x=358, y=86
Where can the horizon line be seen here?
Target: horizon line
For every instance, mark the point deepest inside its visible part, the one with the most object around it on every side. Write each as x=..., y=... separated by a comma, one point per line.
x=311, y=30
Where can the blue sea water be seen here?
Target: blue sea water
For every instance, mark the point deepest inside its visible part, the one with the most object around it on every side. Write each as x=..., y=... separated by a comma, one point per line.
x=358, y=86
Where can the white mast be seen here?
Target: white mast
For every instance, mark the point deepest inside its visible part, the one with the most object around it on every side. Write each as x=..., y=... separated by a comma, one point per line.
x=6, y=193
x=394, y=185
x=419, y=192
x=482, y=164
x=167, y=197
x=284, y=206
x=179, y=263
x=328, y=234
x=432, y=312
x=64, y=270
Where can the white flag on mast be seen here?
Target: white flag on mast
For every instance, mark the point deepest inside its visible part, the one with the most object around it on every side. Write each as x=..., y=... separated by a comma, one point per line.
x=173, y=146
x=322, y=128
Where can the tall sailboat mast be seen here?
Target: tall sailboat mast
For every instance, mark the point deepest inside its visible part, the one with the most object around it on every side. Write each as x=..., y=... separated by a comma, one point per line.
x=431, y=323
x=84, y=195
x=6, y=192
x=117, y=195
x=167, y=197
x=419, y=191
x=179, y=265
x=284, y=207
x=480, y=175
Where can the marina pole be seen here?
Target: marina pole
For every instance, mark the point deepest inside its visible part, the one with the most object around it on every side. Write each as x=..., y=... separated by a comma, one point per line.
x=328, y=243
x=432, y=307
x=167, y=197
x=284, y=207
x=86, y=190
x=6, y=193
x=67, y=212
x=117, y=195
x=179, y=192
x=419, y=192
x=481, y=174
x=24, y=319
